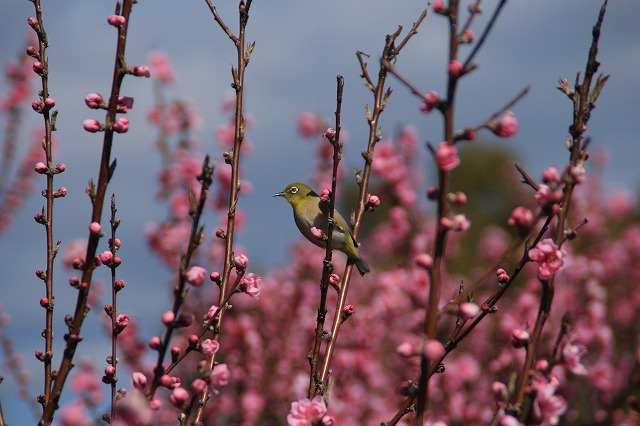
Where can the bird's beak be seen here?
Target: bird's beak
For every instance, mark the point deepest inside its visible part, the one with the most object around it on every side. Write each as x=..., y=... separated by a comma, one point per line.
x=279, y=194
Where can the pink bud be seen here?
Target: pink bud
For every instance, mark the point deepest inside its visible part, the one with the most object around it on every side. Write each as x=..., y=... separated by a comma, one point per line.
x=521, y=217
x=40, y=168
x=334, y=279
x=506, y=127
x=44, y=302
x=116, y=20
x=432, y=193
x=168, y=318
x=438, y=7
x=33, y=22
x=154, y=342
x=446, y=157
x=92, y=126
x=455, y=69
x=318, y=233
x=433, y=350
x=468, y=36
x=325, y=196
x=121, y=125
x=199, y=386
x=121, y=322
x=241, y=261
x=429, y=101
x=195, y=275
x=406, y=350
x=94, y=100
x=373, y=203
x=139, y=380
x=215, y=277
x=38, y=67
x=141, y=71
x=110, y=371
x=95, y=228
x=502, y=275
x=423, y=260
x=330, y=133
x=179, y=397
x=348, y=310
x=460, y=198
x=193, y=340
x=61, y=168
x=469, y=310
x=519, y=338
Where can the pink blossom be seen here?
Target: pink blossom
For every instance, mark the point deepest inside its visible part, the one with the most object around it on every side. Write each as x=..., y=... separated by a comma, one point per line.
x=122, y=321
x=521, y=217
x=125, y=103
x=106, y=257
x=309, y=124
x=306, y=412
x=208, y=347
x=94, y=100
x=455, y=68
x=250, y=284
x=549, y=257
x=551, y=176
x=506, y=127
x=116, y=20
x=210, y=313
x=195, y=275
x=325, y=195
x=220, y=375
x=572, y=354
x=546, y=196
x=161, y=67
x=547, y=406
x=121, y=125
x=577, y=173
x=446, y=157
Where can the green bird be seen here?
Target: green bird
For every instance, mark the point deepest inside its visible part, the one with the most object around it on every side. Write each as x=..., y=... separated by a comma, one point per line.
x=310, y=211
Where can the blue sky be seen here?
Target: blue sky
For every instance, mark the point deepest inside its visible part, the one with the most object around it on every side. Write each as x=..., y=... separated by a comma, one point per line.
x=300, y=48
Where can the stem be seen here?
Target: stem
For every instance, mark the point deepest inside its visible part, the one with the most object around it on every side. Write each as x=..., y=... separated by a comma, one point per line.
x=106, y=170
x=243, y=56
x=316, y=385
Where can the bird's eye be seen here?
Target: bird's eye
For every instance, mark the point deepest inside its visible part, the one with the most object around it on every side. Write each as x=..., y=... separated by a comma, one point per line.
x=293, y=190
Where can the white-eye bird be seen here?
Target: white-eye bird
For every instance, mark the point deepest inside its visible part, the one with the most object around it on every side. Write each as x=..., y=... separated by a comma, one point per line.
x=310, y=211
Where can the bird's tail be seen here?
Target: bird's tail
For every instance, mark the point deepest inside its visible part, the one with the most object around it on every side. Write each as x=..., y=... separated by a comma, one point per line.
x=362, y=266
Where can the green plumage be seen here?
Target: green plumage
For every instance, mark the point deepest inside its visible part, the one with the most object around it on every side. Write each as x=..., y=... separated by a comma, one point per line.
x=309, y=211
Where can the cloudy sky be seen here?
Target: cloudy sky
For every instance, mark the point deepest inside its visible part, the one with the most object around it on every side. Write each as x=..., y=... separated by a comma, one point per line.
x=300, y=47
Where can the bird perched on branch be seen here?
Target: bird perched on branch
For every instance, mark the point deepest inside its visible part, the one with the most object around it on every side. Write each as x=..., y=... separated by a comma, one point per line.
x=309, y=211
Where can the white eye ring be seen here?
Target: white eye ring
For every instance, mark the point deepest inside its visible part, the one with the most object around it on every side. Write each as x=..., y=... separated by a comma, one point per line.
x=293, y=190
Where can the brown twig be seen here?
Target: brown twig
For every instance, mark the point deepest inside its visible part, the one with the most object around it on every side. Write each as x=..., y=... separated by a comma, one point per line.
x=238, y=73
x=73, y=336
x=315, y=385
x=381, y=97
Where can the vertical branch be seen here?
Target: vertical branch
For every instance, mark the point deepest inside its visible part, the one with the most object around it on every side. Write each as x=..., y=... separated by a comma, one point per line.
x=583, y=98
x=44, y=106
x=73, y=336
x=334, y=139
x=381, y=97
x=238, y=74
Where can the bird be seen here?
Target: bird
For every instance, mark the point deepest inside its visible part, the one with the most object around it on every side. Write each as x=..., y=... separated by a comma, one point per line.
x=310, y=211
